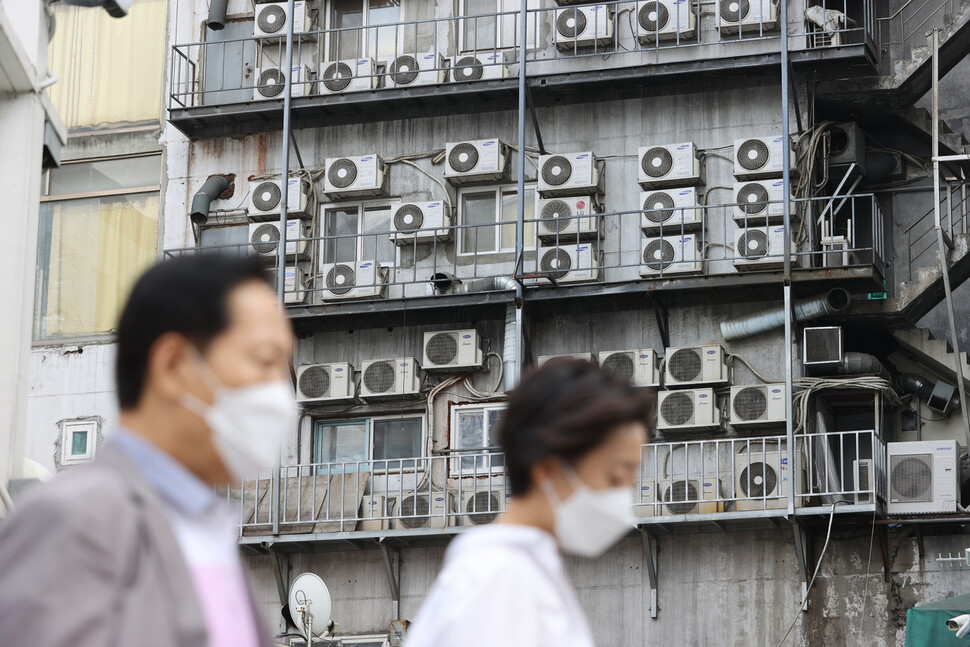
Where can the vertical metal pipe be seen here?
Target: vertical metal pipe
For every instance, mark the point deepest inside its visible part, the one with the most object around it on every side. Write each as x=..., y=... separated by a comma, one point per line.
x=786, y=206
x=520, y=219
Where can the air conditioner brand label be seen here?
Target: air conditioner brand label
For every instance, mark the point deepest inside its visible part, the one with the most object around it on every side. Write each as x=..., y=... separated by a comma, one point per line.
x=363, y=61
x=686, y=192
x=338, y=370
x=778, y=185
x=683, y=147
x=582, y=156
x=490, y=142
x=783, y=461
x=702, y=395
x=366, y=158
x=776, y=390
x=580, y=204
x=432, y=205
x=428, y=57
x=582, y=248
x=778, y=230
x=439, y=498
x=778, y=140
x=466, y=336
x=364, y=265
x=711, y=352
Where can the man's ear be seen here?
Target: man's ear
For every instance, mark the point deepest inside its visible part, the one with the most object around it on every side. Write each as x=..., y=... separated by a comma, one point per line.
x=168, y=370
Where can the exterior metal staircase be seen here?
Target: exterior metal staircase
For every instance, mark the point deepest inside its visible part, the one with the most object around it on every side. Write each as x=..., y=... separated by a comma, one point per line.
x=935, y=354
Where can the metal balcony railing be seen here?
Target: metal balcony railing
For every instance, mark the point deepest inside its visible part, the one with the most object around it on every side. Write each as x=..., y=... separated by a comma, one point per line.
x=920, y=236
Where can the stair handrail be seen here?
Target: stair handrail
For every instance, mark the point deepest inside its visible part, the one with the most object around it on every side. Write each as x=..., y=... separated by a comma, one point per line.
x=903, y=20
x=961, y=207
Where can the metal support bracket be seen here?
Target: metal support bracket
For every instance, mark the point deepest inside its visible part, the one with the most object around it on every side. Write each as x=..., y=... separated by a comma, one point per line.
x=535, y=118
x=392, y=565
x=282, y=572
x=663, y=319
x=884, y=548
x=650, y=551
x=804, y=560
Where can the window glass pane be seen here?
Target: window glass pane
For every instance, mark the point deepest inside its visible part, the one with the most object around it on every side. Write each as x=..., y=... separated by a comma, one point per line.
x=470, y=436
x=106, y=175
x=347, y=14
x=478, y=209
x=340, y=442
x=510, y=213
x=381, y=41
x=376, y=243
x=400, y=438
x=79, y=443
x=479, y=27
x=89, y=252
x=494, y=419
x=342, y=224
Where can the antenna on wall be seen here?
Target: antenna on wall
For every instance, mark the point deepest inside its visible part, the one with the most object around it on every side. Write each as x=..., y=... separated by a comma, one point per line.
x=310, y=607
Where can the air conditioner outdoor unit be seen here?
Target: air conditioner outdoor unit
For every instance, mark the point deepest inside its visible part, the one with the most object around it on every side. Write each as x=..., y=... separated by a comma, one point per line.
x=324, y=382
x=271, y=18
x=671, y=254
x=863, y=480
x=688, y=410
x=569, y=174
x=421, y=222
x=587, y=26
x=424, y=510
x=346, y=281
x=374, y=514
x=761, y=202
x=822, y=346
x=747, y=17
x=480, y=67
x=660, y=20
x=646, y=502
x=408, y=70
x=451, y=350
x=762, y=248
x=762, y=472
x=847, y=145
x=695, y=365
x=271, y=81
x=350, y=75
x=483, y=160
x=570, y=263
x=265, y=239
x=266, y=198
x=355, y=176
x=586, y=357
x=691, y=496
x=294, y=285
x=565, y=220
x=757, y=405
x=482, y=507
x=639, y=367
x=670, y=210
x=397, y=377
x=669, y=165
x=923, y=477
x=756, y=158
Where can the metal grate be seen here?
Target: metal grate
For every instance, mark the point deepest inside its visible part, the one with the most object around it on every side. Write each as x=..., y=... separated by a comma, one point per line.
x=463, y=157
x=620, y=365
x=266, y=238
x=266, y=196
x=752, y=198
x=678, y=408
x=658, y=207
x=379, y=377
x=314, y=382
x=415, y=510
x=271, y=83
x=342, y=173
x=681, y=491
x=753, y=244
x=271, y=19
x=341, y=279
x=408, y=217
x=442, y=349
x=658, y=255
x=337, y=76
x=556, y=263
x=752, y=154
x=404, y=70
x=482, y=508
x=684, y=365
x=556, y=170
x=911, y=477
x=571, y=23
x=758, y=480
x=555, y=216
x=653, y=16
x=750, y=403
x=735, y=10
x=657, y=162
x=468, y=68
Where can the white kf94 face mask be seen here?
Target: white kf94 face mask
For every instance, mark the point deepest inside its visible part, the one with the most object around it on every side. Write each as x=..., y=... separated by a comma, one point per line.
x=589, y=521
x=248, y=423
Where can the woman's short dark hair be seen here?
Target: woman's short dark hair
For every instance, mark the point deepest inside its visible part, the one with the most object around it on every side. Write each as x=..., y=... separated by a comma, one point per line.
x=566, y=409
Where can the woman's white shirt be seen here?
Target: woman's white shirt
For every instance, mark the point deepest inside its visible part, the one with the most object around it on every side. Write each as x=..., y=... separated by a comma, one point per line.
x=501, y=584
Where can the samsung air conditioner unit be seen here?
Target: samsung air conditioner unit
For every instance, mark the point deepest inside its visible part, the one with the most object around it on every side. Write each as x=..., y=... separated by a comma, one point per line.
x=424, y=510
x=324, y=382
x=348, y=281
x=672, y=210
x=646, y=502
x=482, y=507
x=863, y=481
x=421, y=222
x=264, y=237
x=567, y=219
x=582, y=27
x=294, y=285
x=924, y=477
x=374, y=514
x=351, y=75
x=757, y=405
x=762, y=472
x=747, y=17
x=691, y=496
x=363, y=176
x=639, y=367
x=669, y=165
x=486, y=66
x=266, y=198
x=408, y=70
x=670, y=255
x=583, y=357
x=687, y=410
x=665, y=20
x=570, y=263
x=272, y=19
x=449, y=350
x=695, y=365
x=569, y=174
x=271, y=81
x=756, y=158
x=384, y=378
x=761, y=202
x=762, y=248
x=483, y=160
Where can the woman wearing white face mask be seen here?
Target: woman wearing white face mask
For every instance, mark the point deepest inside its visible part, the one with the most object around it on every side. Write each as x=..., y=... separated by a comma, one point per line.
x=572, y=438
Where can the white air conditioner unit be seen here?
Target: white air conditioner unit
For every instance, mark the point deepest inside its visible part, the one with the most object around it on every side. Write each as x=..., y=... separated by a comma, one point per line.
x=294, y=285
x=638, y=367
x=451, y=350
x=863, y=481
x=346, y=281
x=687, y=410
x=570, y=263
x=271, y=81
x=569, y=174
x=694, y=365
x=923, y=477
x=761, y=202
x=756, y=158
x=425, y=510
x=587, y=26
x=757, y=405
x=265, y=239
x=567, y=219
x=355, y=176
x=482, y=507
x=480, y=67
x=762, y=472
x=374, y=514
x=324, y=382
x=407, y=70
x=669, y=165
x=482, y=160
x=646, y=502
x=747, y=17
x=271, y=19
x=585, y=357
x=762, y=248
x=351, y=75
x=390, y=378
x=660, y=20
x=671, y=254
x=670, y=210
x=266, y=196
x=691, y=496
x=421, y=222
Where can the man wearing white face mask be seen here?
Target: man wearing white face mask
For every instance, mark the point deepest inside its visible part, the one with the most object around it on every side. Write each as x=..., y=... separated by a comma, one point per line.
x=572, y=438
x=136, y=548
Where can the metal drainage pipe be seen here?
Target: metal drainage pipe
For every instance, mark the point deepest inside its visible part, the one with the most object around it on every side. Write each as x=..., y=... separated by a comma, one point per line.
x=217, y=14
x=830, y=303
x=214, y=186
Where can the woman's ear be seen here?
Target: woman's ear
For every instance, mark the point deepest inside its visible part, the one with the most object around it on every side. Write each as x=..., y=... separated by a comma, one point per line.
x=551, y=470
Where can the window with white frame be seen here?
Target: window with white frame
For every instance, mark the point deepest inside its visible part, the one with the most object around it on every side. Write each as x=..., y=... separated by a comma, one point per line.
x=488, y=216
x=474, y=436
x=494, y=24
x=78, y=441
x=364, y=28
x=357, y=231
x=390, y=442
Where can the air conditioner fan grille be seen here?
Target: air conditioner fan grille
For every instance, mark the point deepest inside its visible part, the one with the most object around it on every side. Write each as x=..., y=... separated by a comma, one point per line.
x=658, y=207
x=653, y=16
x=271, y=83
x=271, y=19
x=342, y=173
x=404, y=70
x=463, y=157
x=442, y=349
x=266, y=196
x=482, y=508
x=314, y=382
x=620, y=365
x=750, y=403
x=678, y=408
x=911, y=477
x=556, y=263
x=571, y=23
x=758, y=479
x=556, y=170
x=681, y=491
x=379, y=377
x=657, y=162
x=684, y=365
x=266, y=238
x=469, y=68
x=337, y=76
x=753, y=154
x=341, y=279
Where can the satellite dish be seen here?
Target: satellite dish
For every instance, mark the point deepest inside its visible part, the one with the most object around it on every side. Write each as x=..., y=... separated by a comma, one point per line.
x=310, y=606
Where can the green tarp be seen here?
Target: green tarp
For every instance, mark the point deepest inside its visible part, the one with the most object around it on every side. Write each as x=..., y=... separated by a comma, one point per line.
x=926, y=624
